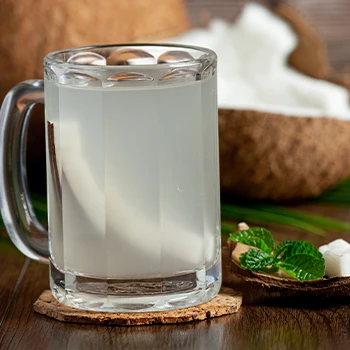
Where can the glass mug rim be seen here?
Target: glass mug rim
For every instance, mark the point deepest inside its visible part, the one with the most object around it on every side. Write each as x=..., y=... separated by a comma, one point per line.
x=208, y=56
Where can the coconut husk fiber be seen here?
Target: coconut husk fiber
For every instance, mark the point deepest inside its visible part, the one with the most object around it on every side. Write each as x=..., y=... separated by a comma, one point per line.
x=265, y=155
x=32, y=28
x=310, y=56
x=282, y=158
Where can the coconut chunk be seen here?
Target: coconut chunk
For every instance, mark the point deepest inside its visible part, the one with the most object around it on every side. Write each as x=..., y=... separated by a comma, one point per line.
x=337, y=258
x=340, y=244
x=323, y=249
x=337, y=262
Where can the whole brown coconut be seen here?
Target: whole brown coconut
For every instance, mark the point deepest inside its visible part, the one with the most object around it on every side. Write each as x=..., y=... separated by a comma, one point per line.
x=282, y=158
x=271, y=156
x=32, y=28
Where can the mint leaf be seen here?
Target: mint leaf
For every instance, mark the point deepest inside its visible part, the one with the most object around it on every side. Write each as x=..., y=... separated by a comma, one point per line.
x=282, y=248
x=257, y=237
x=256, y=260
x=290, y=248
x=300, y=259
x=303, y=267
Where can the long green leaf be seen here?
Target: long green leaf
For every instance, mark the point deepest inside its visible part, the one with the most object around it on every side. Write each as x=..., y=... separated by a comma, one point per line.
x=39, y=205
x=339, y=195
x=319, y=221
x=231, y=211
x=227, y=228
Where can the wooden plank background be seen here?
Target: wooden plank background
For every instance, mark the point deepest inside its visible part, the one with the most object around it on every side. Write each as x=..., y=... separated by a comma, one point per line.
x=330, y=18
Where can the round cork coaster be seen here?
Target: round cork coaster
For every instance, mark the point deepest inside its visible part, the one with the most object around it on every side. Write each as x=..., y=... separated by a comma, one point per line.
x=227, y=302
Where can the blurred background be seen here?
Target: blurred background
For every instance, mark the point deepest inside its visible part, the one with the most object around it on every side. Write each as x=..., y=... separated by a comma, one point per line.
x=328, y=18
x=288, y=173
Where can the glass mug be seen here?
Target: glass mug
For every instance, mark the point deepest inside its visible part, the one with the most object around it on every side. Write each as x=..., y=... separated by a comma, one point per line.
x=132, y=176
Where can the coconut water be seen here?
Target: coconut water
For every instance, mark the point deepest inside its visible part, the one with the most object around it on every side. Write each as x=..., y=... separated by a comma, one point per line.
x=133, y=179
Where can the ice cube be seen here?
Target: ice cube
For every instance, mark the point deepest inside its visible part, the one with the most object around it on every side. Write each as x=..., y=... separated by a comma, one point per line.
x=339, y=244
x=337, y=262
x=174, y=56
x=130, y=57
x=87, y=58
x=323, y=248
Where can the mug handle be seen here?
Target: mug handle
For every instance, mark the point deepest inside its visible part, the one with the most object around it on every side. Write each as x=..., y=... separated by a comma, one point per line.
x=22, y=225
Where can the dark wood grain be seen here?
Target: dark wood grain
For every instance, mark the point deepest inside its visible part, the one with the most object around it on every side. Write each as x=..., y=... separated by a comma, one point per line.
x=19, y=315
x=330, y=18
x=11, y=265
x=254, y=327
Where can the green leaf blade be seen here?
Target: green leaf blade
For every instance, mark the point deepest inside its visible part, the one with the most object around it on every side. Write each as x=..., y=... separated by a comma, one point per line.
x=256, y=237
x=282, y=248
x=303, y=267
x=241, y=213
x=291, y=248
x=256, y=260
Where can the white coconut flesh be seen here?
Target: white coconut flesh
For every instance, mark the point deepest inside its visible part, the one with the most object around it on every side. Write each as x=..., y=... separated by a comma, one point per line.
x=253, y=72
x=337, y=258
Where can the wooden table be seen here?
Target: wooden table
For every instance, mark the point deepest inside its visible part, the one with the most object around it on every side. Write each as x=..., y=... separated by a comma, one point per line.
x=254, y=327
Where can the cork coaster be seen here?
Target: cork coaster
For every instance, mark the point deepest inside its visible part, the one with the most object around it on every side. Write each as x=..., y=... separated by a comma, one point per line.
x=227, y=302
